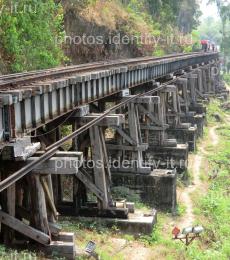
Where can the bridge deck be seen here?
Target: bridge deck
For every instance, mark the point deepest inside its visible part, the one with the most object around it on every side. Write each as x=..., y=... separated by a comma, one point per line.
x=29, y=100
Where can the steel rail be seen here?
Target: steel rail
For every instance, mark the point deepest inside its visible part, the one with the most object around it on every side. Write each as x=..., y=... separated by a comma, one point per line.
x=23, y=74
x=52, y=149
x=29, y=77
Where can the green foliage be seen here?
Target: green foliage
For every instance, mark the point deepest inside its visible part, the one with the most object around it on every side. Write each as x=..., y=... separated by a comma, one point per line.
x=6, y=254
x=224, y=12
x=189, y=13
x=227, y=78
x=213, y=109
x=152, y=239
x=121, y=192
x=170, y=15
x=213, y=32
x=158, y=52
x=215, y=205
x=29, y=33
x=181, y=209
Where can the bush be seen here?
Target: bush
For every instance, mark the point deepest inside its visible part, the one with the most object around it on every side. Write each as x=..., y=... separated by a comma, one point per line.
x=29, y=34
x=227, y=78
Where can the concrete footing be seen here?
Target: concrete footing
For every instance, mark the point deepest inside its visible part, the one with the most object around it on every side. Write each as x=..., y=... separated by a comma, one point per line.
x=198, y=108
x=157, y=189
x=188, y=135
x=168, y=157
x=197, y=120
x=138, y=222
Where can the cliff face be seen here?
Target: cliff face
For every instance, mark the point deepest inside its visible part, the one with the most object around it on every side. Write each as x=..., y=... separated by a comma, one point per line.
x=88, y=41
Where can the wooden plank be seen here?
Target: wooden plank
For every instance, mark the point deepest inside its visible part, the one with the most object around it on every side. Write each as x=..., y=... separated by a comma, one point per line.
x=91, y=186
x=51, y=217
x=101, y=174
x=169, y=88
x=144, y=99
x=149, y=115
x=142, y=147
x=11, y=202
x=49, y=198
x=111, y=120
x=154, y=128
x=54, y=229
x=57, y=165
x=125, y=135
x=78, y=155
x=24, y=213
x=200, y=94
x=38, y=205
x=24, y=229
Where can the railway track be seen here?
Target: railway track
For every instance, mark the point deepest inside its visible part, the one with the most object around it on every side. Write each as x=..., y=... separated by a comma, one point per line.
x=21, y=80
x=18, y=80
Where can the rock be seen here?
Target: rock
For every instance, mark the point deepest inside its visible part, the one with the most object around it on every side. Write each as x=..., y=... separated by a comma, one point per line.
x=226, y=106
x=217, y=117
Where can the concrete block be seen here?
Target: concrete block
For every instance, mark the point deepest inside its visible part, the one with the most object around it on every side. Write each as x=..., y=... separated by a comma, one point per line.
x=157, y=189
x=130, y=206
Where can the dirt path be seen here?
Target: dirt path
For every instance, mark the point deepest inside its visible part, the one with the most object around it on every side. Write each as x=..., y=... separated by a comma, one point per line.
x=185, y=195
x=195, y=163
x=214, y=137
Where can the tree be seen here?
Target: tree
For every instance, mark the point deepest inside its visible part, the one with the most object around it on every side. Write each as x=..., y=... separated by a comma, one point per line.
x=188, y=16
x=211, y=33
x=223, y=7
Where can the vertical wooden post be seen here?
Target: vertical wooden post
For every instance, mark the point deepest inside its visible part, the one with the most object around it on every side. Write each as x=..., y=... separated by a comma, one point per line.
x=39, y=218
x=101, y=169
x=135, y=132
x=8, y=202
x=50, y=213
x=9, y=234
x=162, y=116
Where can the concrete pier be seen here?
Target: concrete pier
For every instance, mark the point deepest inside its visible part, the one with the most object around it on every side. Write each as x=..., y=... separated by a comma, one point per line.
x=157, y=189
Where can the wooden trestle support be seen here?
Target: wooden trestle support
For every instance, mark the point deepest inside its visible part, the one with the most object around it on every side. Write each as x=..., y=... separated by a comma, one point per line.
x=156, y=126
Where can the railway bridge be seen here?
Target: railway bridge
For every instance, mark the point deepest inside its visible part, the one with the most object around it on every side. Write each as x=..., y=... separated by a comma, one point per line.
x=69, y=136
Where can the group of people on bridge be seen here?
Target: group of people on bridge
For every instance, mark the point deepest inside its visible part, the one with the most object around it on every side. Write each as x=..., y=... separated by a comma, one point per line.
x=208, y=46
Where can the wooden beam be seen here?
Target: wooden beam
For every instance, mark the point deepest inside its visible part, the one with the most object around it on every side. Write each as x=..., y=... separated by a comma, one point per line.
x=144, y=99
x=102, y=174
x=78, y=155
x=125, y=135
x=57, y=165
x=24, y=229
x=111, y=120
x=149, y=115
x=141, y=147
x=24, y=213
x=154, y=128
x=200, y=94
x=39, y=218
x=49, y=198
x=169, y=88
x=91, y=186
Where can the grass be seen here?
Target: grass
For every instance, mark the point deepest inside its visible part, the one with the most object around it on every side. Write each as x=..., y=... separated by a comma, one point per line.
x=227, y=78
x=212, y=209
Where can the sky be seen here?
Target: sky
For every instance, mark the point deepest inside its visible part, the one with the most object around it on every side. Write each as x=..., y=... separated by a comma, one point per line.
x=208, y=10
